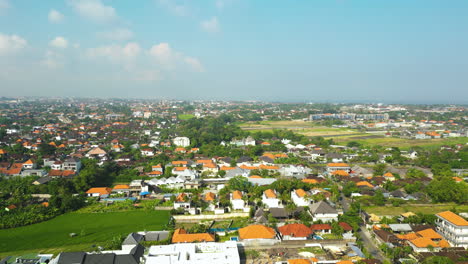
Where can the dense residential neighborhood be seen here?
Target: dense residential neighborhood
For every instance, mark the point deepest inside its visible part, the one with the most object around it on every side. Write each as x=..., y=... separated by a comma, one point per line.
x=232, y=182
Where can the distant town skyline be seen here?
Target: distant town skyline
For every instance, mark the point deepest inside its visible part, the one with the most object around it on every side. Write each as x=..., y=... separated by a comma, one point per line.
x=284, y=51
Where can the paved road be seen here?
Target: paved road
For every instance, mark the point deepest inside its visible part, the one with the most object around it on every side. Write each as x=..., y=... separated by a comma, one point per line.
x=369, y=244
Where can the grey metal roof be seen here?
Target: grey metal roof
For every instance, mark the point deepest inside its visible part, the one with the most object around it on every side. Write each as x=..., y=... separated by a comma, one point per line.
x=133, y=239
x=71, y=257
x=322, y=208
x=107, y=258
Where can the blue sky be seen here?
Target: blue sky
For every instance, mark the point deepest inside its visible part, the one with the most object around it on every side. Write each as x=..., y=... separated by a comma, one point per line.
x=276, y=50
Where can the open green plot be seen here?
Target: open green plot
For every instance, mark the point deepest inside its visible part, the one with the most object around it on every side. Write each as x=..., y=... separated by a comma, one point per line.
x=185, y=116
x=90, y=228
x=302, y=127
x=425, y=209
x=401, y=142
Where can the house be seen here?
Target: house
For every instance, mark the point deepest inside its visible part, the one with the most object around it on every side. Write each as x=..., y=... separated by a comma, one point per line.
x=157, y=168
x=121, y=188
x=181, y=236
x=131, y=255
x=29, y=165
x=194, y=253
x=96, y=152
x=42, y=180
x=99, y=192
x=323, y=211
x=236, y=200
x=300, y=197
x=295, y=232
x=182, y=201
x=424, y=244
x=331, y=167
x=270, y=199
x=453, y=227
x=57, y=165
x=147, y=152
x=294, y=171
x=181, y=141
x=258, y=234
x=185, y=173
x=72, y=164
x=321, y=228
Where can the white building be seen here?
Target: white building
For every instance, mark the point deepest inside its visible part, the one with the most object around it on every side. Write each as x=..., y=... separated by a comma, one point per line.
x=236, y=200
x=299, y=197
x=323, y=211
x=181, y=141
x=453, y=228
x=194, y=253
x=270, y=199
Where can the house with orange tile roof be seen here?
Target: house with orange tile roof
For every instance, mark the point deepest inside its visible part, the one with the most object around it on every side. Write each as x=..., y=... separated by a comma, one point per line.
x=258, y=234
x=270, y=199
x=295, y=232
x=300, y=197
x=321, y=228
x=424, y=244
x=121, y=188
x=157, y=168
x=453, y=228
x=181, y=236
x=182, y=201
x=237, y=200
x=98, y=191
x=301, y=261
x=29, y=165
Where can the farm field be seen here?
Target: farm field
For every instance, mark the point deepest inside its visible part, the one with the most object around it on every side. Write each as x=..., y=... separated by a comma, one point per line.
x=425, y=209
x=298, y=126
x=344, y=135
x=399, y=142
x=91, y=228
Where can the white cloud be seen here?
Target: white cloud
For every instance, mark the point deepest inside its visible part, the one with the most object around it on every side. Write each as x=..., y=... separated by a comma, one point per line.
x=55, y=16
x=119, y=34
x=53, y=60
x=194, y=64
x=177, y=7
x=169, y=58
x=4, y=5
x=210, y=25
x=94, y=10
x=116, y=53
x=59, y=42
x=11, y=43
x=163, y=54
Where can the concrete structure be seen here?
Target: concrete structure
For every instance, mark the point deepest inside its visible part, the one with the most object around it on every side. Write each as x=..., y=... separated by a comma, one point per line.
x=454, y=228
x=194, y=253
x=181, y=141
x=236, y=200
x=299, y=197
x=270, y=199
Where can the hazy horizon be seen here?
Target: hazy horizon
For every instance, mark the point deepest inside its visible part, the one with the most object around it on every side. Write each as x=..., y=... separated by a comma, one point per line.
x=347, y=51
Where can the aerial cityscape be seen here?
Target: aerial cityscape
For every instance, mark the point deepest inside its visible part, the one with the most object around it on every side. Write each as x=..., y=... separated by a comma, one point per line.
x=233, y=132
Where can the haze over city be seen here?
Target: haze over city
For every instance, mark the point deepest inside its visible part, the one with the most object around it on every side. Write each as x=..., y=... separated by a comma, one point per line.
x=342, y=50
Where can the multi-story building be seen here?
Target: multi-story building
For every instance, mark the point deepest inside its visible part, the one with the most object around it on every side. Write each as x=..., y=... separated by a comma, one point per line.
x=453, y=227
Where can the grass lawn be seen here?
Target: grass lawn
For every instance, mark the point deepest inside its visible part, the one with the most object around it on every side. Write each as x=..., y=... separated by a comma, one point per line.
x=314, y=250
x=425, y=209
x=91, y=228
x=185, y=116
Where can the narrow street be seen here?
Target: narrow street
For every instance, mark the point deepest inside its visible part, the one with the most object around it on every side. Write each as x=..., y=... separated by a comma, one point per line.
x=366, y=237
